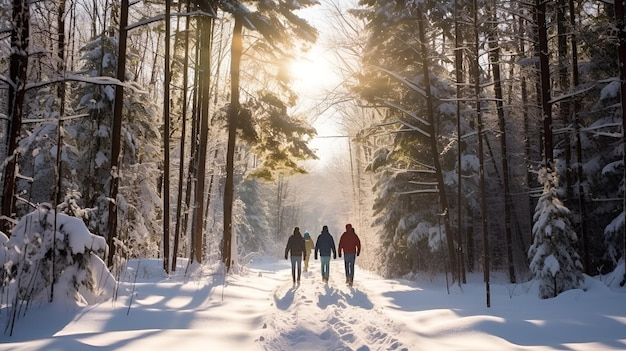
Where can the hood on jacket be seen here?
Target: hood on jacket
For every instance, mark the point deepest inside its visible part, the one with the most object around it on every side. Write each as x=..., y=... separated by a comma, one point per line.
x=296, y=230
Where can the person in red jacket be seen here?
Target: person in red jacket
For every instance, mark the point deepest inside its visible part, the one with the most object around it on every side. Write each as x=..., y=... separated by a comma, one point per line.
x=350, y=244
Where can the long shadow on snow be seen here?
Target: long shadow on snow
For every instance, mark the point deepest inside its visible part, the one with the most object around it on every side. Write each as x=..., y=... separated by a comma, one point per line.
x=355, y=298
x=285, y=301
x=541, y=325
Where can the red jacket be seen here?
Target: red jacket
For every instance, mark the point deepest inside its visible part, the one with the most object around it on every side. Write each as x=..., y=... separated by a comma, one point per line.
x=349, y=242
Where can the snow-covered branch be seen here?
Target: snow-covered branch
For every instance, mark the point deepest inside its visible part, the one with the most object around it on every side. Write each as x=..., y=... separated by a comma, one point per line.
x=49, y=120
x=426, y=191
x=161, y=17
x=409, y=113
x=99, y=80
x=407, y=82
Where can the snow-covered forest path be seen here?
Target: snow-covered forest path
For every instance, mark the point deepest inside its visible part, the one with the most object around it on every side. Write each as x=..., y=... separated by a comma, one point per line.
x=332, y=316
x=258, y=309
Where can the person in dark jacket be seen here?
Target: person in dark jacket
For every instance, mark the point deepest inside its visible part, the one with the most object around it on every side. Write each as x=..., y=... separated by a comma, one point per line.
x=295, y=244
x=350, y=244
x=324, y=245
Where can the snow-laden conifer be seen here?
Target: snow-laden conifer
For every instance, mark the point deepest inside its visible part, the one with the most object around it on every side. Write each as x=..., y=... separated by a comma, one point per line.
x=554, y=262
x=43, y=251
x=138, y=199
x=251, y=218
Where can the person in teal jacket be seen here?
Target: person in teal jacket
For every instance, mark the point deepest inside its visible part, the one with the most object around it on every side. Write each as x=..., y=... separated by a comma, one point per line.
x=324, y=245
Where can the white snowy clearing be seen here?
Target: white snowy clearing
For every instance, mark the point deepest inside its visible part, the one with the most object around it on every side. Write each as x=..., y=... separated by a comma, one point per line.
x=258, y=309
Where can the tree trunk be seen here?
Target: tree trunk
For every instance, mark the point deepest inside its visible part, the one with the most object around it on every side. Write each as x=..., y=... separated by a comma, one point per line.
x=72, y=39
x=94, y=22
x=61, y=56
x=117, y=131
x=495, y=64
x=183, y=140
x=582, y=198
x=166, y=141
x=621, y=33
x=193, y=158
x=203, y=130
x=210, y=190
x=279, y=207
x=18, y=64
x=544, y=70
x=481, y=157
x=471, y=256
x=61, y=96
x=154, y=72
x=458, y=69
x=229, y=196
x=564, y=83
x=526, y=118
x=433, y=147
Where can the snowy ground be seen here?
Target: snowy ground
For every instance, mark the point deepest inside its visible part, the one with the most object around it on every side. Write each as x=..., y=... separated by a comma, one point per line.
x=259, y=309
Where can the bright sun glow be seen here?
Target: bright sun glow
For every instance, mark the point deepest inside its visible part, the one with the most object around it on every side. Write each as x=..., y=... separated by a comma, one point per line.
x=314, y=76
x=313, y=73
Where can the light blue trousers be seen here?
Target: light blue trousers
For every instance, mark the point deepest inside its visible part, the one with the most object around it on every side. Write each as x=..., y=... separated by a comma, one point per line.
x=325, y=266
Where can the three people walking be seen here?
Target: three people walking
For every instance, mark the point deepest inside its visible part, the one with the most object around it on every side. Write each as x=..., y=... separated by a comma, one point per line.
x=300, y=248
x=350, y=244
x=324, y=245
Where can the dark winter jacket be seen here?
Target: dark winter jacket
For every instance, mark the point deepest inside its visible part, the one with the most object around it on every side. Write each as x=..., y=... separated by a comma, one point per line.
x=325, y=244
x=295, y=244
x=349, y=242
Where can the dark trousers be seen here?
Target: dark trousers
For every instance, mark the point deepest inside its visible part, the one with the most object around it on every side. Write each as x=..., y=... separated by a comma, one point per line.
x=348, y=260
x=296, y=261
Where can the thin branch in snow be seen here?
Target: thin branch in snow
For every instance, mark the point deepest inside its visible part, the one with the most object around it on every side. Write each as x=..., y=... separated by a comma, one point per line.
x=99, y=80
x=409, y=113
x=572, y=94
x=422, y=183
x=54, y=121
x=429, y=171
x=427, y=191
x=162, y=16
x=413, y=127
x=407, y=82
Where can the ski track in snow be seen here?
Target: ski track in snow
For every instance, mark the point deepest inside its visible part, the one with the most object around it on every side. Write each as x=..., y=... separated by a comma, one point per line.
x=345, y=317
